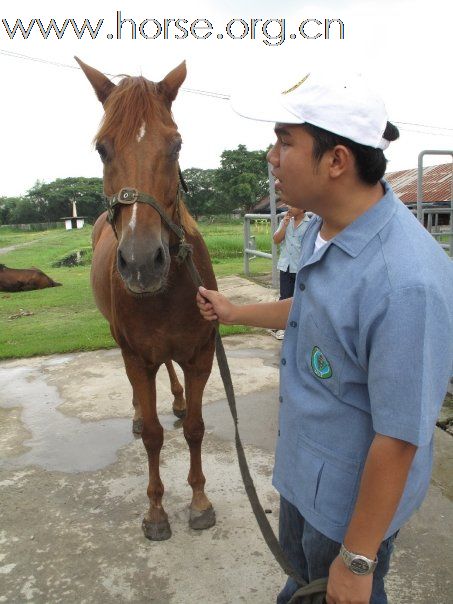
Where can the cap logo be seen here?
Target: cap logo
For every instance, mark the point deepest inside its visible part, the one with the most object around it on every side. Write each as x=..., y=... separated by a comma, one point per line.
x=320, y=365
x=296, y=85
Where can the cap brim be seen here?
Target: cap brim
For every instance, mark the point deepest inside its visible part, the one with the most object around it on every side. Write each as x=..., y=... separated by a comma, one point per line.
x=264, y=108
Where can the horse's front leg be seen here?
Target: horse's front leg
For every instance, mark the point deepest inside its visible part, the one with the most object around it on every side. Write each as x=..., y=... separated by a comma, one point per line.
x=143, y=379
x=196, y=374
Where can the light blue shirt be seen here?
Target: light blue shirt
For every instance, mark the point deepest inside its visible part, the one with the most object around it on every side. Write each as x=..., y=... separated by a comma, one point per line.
x=368, y=349
x=290, y=247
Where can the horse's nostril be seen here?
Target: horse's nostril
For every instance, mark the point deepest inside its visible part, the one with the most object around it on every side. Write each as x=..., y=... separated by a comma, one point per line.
x=159, y=258
x=121, y=261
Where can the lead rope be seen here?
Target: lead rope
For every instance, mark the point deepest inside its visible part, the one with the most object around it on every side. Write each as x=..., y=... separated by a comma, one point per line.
x=317, y=588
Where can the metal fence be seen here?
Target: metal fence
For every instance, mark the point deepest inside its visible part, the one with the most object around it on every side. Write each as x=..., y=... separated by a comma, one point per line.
x=250, y=249
x=271, y=221
x=444, y=237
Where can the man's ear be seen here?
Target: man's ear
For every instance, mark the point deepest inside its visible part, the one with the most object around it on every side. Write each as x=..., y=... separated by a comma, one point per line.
x=340, y=159
x=101, y=84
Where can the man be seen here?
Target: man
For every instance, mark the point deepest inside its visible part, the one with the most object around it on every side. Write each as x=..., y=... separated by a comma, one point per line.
x=368, y=348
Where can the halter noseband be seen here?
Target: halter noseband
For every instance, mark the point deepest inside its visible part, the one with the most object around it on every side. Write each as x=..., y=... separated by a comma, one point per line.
x=128, y=196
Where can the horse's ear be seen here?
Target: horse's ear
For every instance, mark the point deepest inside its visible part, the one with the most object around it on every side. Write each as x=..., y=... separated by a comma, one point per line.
x=170, y=85
x=101, y=84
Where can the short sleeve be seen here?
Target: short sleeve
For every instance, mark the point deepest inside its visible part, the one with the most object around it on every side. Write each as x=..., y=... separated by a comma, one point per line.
x=410, y=350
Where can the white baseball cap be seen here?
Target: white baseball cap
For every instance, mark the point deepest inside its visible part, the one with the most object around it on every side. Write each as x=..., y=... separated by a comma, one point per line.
x=344, y=106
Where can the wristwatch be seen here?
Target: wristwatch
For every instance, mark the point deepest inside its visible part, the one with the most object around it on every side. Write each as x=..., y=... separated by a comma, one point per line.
x=359, y=565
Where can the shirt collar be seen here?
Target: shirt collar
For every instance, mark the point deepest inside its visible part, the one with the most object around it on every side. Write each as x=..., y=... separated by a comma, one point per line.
x=359, y=233
x=304, y=219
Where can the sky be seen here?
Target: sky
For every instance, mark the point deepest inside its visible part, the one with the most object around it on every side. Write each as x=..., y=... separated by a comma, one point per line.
x=49, y=113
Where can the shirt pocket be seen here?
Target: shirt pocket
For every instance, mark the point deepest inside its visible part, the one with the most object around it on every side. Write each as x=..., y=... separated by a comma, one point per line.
x=321, y=355
x=332, y=481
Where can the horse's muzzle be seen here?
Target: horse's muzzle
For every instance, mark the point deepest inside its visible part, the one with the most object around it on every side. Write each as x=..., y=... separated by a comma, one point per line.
x=143, y=272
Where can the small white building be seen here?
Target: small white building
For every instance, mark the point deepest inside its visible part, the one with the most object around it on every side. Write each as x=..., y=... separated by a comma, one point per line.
x=74, y=221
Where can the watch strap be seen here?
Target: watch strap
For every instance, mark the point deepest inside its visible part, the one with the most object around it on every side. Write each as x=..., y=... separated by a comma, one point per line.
x=358, y=564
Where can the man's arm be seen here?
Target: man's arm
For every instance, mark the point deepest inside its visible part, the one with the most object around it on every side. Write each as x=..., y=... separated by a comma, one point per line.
x=216, y=307
x=381, y=487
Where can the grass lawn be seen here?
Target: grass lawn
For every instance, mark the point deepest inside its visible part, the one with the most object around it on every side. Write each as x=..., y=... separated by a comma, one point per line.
x=65, y=319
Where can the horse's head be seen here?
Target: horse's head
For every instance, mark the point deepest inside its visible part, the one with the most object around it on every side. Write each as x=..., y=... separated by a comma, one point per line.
x=139, y=144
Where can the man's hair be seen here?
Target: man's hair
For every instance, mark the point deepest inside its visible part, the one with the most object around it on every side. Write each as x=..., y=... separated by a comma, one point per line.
x=370, y=162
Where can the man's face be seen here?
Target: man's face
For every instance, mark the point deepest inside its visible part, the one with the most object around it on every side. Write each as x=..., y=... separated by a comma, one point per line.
x=298, y=178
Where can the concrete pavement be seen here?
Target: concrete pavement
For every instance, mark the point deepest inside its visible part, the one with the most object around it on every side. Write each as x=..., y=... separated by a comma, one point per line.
x=73, y=488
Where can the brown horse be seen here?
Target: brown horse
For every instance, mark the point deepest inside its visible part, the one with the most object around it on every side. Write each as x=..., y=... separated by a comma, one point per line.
x=146, y=295
x=24, y=279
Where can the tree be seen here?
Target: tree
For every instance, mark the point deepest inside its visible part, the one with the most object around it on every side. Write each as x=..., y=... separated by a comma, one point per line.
x=242, y=178
x=202, y=196
x=7, y=207
x=53, y=200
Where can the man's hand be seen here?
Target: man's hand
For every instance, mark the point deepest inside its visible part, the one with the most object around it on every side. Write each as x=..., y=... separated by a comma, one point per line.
x=213, y=306
x=344, y=587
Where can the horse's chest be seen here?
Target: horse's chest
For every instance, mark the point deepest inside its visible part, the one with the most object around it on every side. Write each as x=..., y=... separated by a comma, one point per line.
x=160, y=333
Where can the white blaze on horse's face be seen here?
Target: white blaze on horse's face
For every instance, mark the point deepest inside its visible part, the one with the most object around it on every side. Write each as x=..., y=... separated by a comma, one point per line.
x=141, y=132
x=133, y=220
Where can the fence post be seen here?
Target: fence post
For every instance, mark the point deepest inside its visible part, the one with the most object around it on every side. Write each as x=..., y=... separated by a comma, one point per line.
x=273, y=208
x=246, y=245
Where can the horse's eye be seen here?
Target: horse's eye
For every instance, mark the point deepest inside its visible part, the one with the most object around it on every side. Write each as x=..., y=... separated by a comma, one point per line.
x=102, y=151
x=175, y=148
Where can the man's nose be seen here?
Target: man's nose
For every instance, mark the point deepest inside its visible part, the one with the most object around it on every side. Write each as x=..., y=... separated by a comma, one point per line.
x=272, y=156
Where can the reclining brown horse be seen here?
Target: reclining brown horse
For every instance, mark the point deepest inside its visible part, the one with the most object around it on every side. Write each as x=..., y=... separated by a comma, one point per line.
x=147, y=296
x=24, y=279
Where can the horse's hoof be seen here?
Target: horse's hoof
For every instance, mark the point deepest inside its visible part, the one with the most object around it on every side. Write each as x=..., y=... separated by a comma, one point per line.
x=181, y=413
x=137, y=426
x=156, y=531
x=202, y=520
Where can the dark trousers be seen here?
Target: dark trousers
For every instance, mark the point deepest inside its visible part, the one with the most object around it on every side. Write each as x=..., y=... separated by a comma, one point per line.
x=287, y=283
x=311, y=553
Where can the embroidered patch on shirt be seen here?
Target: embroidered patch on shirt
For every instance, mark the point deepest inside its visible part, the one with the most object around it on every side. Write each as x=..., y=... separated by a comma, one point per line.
x=320, y=365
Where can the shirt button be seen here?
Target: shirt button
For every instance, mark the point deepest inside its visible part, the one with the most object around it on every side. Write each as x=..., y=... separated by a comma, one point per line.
x=280, y=399
x=293, y=323
x=301, y=287
x=283, y=361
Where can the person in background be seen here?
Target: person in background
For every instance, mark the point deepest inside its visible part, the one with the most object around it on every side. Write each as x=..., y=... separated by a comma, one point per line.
x=289, y=235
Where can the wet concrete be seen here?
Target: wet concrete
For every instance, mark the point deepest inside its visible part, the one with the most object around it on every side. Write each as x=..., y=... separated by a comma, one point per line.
x=72, y=503
x=73, y=490
x=57, y=442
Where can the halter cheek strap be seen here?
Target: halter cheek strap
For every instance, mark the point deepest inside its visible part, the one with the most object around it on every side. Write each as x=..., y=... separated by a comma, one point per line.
x=128, y=196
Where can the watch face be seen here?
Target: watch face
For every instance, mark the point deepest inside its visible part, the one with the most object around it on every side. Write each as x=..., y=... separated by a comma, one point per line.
x=359, y=566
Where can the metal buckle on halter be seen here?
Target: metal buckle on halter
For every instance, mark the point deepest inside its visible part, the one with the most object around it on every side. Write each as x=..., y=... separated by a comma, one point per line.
x=128, y=196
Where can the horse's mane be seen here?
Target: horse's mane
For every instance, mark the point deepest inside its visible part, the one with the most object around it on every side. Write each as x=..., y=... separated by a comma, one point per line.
x=187, y=220
x=134, y=101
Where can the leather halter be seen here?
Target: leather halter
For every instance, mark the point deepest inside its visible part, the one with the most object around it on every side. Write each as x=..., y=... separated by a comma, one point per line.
x=128, y=196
